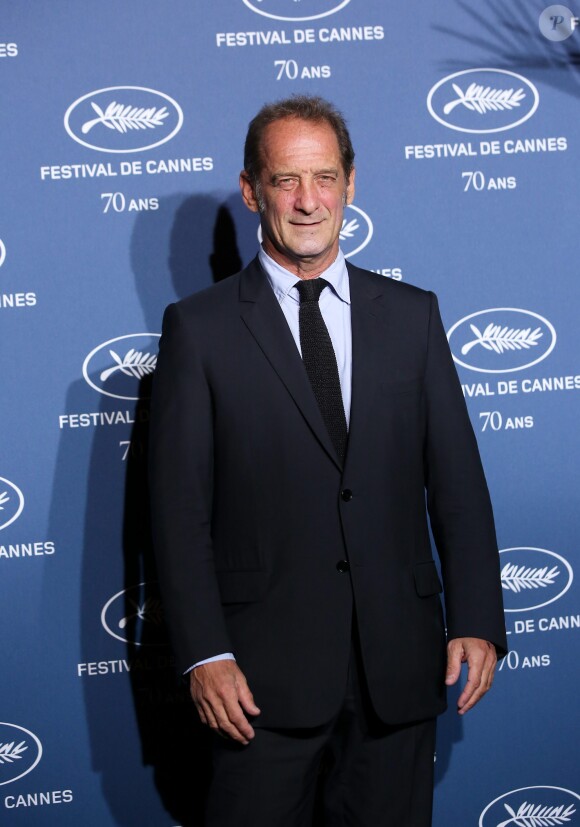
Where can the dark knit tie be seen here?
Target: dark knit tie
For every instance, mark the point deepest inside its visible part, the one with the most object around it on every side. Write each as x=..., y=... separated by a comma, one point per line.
x=320, y=362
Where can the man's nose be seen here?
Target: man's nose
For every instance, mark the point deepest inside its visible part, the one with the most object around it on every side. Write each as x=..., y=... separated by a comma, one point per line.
x=306, y=197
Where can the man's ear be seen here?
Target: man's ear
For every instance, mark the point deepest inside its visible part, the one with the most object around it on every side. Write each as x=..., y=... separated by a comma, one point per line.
x=248, y=194
x=350, y=187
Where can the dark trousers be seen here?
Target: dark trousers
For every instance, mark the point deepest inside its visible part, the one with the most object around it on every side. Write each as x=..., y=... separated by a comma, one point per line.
x=354, y=771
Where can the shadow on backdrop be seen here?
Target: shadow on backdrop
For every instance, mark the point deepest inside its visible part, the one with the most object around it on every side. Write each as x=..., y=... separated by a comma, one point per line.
x=191, y=242
x=138, y=712
x=193, y=245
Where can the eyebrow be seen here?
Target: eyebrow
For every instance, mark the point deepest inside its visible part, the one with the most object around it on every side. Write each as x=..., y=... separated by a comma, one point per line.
x=277, y=175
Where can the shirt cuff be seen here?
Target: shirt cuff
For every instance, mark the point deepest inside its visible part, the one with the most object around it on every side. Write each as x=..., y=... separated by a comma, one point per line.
x=224, y=656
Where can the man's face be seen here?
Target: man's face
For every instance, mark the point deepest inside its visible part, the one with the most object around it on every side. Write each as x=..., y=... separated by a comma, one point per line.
x=301, y=195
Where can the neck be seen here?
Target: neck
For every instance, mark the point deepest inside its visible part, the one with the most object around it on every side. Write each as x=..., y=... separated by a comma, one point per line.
x=303, y=268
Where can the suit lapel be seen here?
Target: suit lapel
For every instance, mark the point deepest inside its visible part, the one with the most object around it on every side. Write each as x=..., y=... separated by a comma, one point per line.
x=370, y=348
x=265, y=320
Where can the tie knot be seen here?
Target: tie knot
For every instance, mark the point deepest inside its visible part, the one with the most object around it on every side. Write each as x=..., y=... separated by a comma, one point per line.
x=310, y=289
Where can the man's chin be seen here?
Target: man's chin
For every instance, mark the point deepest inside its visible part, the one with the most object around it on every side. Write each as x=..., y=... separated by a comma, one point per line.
x=309, y=249
x=300, y=251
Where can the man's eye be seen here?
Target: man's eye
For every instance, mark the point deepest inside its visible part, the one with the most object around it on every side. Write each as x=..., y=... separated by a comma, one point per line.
x=285, y=183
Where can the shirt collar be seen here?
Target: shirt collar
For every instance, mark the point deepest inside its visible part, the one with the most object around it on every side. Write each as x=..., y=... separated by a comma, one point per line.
x=282, y=281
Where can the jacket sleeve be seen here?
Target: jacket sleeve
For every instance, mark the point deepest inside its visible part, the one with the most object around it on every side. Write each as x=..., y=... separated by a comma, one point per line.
x=181, y=481
x=458, y=501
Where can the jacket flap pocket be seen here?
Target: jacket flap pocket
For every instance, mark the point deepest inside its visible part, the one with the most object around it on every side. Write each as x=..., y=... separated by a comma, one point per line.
x=427, y=580
x=238, y=586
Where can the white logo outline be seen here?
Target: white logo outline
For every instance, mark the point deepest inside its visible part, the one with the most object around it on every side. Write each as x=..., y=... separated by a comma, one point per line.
x=340, y=6
x=560, y=594
x=2, y=252
x=139, y=613
x=488, y=102
x=521, y=790
x=370, y=229
x=548, y=324
x=20, y=508
x=38, y=757
x=145, y=366
x=80, y=100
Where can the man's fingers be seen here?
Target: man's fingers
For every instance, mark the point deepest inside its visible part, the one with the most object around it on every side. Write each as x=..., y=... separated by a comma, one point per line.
x=491, y=674
x=468, y=701
x=201, y=713
x=481, y=658
x=454, y=658
x=472, y=691
x=219, y=690
x=226, y=718
x=232, y=720
x=246, y=698
x=209, y=716
x=235, y=724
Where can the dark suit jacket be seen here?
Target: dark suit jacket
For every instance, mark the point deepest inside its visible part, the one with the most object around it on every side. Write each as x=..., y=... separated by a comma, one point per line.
x=252, y=510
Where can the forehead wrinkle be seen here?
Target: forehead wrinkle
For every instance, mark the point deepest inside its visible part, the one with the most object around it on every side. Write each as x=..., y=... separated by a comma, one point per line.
x=306, y=144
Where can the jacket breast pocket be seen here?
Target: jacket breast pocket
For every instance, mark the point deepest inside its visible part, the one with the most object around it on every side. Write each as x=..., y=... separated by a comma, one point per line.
x=238, y=586
x=427, y=580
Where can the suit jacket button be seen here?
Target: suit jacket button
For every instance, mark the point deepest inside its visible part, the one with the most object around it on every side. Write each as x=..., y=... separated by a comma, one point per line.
x=343, y=566
x=346, y=494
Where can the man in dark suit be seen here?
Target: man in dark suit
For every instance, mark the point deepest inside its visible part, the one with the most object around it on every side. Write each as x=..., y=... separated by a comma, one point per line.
x=299, y=427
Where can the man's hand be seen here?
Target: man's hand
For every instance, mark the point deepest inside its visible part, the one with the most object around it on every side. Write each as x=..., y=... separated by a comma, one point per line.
x=221, y=694
x=481, y=660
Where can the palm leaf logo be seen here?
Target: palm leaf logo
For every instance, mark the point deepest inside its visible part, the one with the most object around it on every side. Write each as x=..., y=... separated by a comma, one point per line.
x=135, y=363
x=540, y=816
x=348, y=228
x=150, y=611
x=122, y=118
x=499, y=339
x=11, y=752
x=4, y=498
x=485, y=99
x=517, y=578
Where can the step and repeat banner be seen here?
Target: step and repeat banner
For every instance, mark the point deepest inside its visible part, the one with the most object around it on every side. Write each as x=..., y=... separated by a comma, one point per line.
x=122, y=127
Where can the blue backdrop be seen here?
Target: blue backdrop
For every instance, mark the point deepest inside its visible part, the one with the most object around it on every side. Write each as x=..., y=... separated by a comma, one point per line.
x=122, y=127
